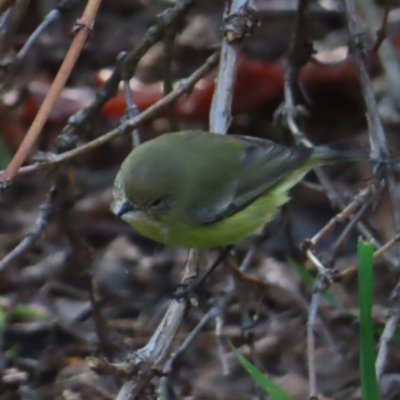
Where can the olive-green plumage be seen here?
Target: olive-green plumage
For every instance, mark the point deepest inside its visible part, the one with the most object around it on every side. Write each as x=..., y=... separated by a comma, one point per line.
x=199, y=189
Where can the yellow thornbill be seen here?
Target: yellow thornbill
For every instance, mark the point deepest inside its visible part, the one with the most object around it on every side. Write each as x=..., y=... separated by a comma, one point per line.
x=198, y=189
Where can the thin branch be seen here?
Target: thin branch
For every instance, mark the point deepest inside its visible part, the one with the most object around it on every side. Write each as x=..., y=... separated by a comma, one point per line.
x=168, y=49
x=131, y=111
x=219, y=323
x=381, y=33
x=317, y=263
x=85, y=25
x=239, y=21
x=311, y=326
x=299, y=54
x=358, y=201
x=12, y=19
x=388, y=55
x=103, y=332
x=169, y=366
x=349, y=228
x=356, y=44
x=384, y=340
x=52, y=16
x=46, y=211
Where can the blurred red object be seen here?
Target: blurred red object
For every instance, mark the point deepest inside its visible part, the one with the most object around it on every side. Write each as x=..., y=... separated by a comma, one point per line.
x=258, y=86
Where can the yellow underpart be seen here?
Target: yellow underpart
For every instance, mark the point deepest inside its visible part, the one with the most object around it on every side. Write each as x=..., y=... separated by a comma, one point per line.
x=227, y=231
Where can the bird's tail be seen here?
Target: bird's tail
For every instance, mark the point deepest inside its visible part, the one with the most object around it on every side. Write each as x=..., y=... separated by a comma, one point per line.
x=339, y=152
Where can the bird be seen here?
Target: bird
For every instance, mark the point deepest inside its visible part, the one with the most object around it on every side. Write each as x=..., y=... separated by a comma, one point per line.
x=198, y=189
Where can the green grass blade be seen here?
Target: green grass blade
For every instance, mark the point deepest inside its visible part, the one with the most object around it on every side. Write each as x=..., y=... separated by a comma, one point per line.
x=266, y=384
x=369, y=384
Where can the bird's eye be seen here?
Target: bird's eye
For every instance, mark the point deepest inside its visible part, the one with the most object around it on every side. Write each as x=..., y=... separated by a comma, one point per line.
x=157, y=202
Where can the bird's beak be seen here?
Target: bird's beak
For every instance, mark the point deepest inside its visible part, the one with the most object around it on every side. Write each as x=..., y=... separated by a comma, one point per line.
x=125, y=207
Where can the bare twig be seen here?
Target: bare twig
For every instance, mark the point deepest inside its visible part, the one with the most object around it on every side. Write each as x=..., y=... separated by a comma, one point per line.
x=12, y=19
x=168, y=80
x=387, y=53
x=299, y=54
x=131, y=111
x=50, y=206
x=168, y=368
x=85, y=25
x=48, y=20
x=164, y=390
x=239, y=18
x=311, y=325
x=381, y=33
x=358, y=201
x=317, y=263
x=46, y=211
x=356, y=39
x=388, y=332
x=349, y=228
x=103, y=332
x=219, y=323
x=325, y=278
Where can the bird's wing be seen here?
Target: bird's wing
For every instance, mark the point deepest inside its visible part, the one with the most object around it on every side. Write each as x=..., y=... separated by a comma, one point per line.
x=262, y=164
